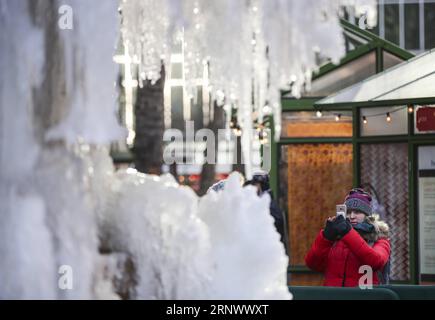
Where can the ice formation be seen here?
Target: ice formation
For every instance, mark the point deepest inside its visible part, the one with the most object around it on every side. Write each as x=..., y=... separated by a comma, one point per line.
x=124, y=234
x=22, y=207
x=242, y=236
x=253, y=48
x=50, y=78
x=190, y=248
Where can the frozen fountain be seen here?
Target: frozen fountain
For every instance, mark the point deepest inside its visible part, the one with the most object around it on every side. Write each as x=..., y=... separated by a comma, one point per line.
x=120, y=234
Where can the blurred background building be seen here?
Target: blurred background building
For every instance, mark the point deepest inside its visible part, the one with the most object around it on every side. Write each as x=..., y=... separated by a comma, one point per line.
x=406, y=23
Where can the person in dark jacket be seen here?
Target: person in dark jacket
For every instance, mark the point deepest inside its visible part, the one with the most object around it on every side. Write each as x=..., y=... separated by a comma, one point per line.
x=344, y=245
x=261, y=181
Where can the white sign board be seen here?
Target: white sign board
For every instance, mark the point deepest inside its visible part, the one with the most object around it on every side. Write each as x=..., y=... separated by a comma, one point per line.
x=426, y=205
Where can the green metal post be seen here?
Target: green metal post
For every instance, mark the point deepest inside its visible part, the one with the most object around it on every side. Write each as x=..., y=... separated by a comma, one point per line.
x=274, y=160
x=413, y=232
x=356, y=146
x=379, y=60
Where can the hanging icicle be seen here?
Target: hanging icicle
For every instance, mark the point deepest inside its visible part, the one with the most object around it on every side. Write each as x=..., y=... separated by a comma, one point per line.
x=252, y=49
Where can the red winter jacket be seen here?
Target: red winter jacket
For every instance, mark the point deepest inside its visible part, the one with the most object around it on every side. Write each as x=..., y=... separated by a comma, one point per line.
x=340, y=260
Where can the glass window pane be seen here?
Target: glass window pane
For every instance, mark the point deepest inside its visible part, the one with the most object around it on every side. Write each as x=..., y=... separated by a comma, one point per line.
x=177, y=108
x=177, y=47
x=373, y=121
x=391, y=85
x=313, y=179
x=384, y=172
x=307, y=124
x=429, y=23
x=348, y=74
x=176, y=71
x=392, y=23
x=390, y=60
x=412, y=22
x=197, y=110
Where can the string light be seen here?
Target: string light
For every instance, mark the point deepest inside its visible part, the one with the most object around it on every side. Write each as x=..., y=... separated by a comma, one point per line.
x=388, y=117
x=234, y=125
x=262, y=136
x=237, y=131
x=409, y=108
x=259, y=127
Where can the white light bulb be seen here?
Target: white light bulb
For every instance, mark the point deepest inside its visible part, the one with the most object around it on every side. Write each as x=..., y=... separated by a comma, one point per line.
x=388, y=117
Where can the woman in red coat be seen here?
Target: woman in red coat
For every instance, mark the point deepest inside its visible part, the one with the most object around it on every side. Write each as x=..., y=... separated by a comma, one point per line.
x=344, y=245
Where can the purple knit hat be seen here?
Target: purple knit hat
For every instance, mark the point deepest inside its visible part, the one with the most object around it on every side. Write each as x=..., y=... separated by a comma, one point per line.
x=359, y=200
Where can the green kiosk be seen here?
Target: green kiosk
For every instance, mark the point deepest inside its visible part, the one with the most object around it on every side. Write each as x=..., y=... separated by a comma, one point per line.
x=370, y=122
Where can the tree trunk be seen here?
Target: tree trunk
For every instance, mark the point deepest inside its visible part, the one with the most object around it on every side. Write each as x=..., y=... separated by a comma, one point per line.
x=208, y=172
x=238, y=165
x=149, y=113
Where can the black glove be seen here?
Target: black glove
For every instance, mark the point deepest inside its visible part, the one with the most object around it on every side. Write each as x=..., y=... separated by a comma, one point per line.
x=329, y=232
x=342, y=226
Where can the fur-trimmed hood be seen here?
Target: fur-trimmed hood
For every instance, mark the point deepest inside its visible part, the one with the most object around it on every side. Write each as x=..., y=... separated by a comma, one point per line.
x=381, y=230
